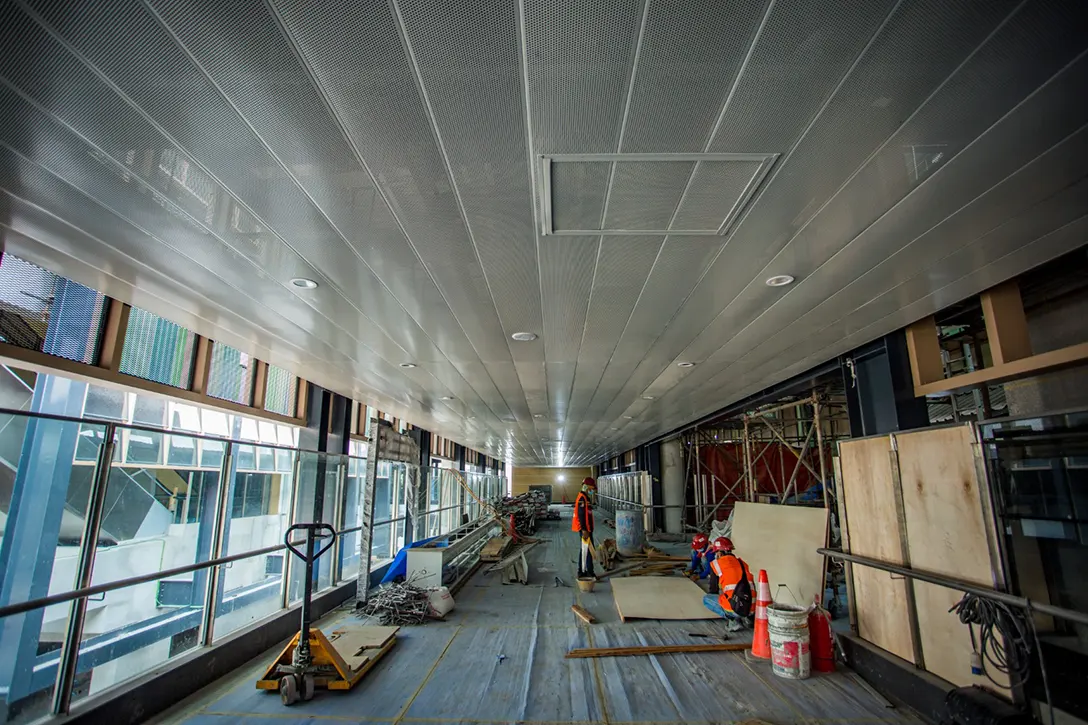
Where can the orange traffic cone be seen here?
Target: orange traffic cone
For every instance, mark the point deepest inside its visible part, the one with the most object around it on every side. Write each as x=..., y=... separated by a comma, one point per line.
x=761, y=639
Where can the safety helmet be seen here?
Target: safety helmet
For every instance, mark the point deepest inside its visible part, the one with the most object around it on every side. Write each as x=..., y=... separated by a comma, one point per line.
x=588, y=482
x=723, y=544
x=699, y=541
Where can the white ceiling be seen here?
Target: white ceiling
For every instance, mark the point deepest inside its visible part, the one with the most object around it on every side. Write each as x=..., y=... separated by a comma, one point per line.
x=191, y=157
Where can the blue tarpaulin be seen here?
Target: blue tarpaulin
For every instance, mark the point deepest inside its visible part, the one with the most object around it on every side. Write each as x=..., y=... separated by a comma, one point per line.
x=399, y=566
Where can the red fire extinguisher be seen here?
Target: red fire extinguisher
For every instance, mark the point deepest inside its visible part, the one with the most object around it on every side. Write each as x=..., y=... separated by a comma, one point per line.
x=821, y=640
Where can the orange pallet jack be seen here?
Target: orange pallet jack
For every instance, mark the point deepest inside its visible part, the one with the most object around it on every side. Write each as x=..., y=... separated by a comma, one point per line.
x=311, y=660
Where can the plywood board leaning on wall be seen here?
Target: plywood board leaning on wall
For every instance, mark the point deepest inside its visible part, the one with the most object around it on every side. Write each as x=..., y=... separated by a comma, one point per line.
x=950, y=531
x=871, y=519
x=783, y=540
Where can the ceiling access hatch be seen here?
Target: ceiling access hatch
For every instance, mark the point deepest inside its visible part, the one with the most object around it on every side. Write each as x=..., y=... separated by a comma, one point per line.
x=650, y=194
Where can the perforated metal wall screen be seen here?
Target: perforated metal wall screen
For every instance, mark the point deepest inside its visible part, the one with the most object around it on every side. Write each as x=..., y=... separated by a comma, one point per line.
x=42, y=311
x=281, y=391
x=231, y=374
x=157, y=349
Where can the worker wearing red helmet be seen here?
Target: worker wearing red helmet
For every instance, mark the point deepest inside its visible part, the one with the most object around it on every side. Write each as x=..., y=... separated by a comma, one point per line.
x=583, y=524
x=735, y=584
x=702, y=554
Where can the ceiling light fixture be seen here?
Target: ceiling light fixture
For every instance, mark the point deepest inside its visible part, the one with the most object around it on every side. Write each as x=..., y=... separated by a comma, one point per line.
x=628, y=417
x=780, y=280
x=304, y=283
x=523, y=336
x=538, y=415
x=685, y=364
x=407, y=365
x=447, y=397
x=647, y=397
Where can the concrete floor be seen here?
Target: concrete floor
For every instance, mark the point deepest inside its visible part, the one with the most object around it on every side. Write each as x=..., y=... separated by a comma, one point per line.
x=451, y=672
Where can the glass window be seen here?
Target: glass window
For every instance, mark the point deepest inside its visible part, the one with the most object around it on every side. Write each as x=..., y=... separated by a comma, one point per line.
x=44, y=537
x=105, y=403
x=158, y=350
x=149, y=410
x=215, y=423
x=245, y=458
x=248, y=430
x=230, y=375
x=185, y=417
x=153, y=519
x=211, y=453
x=181, y=451
x=41, y=311
x=281, y=391
x=143, y=447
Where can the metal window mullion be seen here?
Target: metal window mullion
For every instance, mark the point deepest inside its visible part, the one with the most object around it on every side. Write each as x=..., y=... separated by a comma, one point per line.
x=226, y=485
x=285, y=584
x=337, y=516
x=92, y=524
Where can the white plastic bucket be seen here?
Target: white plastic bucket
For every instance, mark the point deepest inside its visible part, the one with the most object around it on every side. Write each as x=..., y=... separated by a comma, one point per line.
x=788, y=629
x=441, y=600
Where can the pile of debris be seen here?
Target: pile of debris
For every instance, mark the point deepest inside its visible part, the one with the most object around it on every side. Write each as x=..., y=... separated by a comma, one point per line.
x=399, y=604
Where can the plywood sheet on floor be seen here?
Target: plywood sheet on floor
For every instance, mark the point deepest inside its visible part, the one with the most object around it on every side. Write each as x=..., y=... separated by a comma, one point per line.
x=783, y=540
x=947, y=533
x=869, y=498
x=659, y=597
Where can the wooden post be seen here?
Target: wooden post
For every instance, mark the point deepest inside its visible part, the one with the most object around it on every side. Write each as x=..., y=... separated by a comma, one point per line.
x=202, y=365
x=924, y=349
x=260, y=384
x=113, y=336
x=1006, y=323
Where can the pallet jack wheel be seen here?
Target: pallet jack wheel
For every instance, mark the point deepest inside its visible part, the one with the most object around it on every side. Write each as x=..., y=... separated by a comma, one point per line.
x=288, y=690
x=307, y=687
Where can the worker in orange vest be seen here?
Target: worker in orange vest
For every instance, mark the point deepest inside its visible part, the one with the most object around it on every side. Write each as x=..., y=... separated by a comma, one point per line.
x=735, y=584
x=583, y=524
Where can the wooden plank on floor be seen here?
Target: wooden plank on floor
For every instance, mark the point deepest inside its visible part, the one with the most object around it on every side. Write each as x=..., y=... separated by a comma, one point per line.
x=496, y=548
x=583, y=614
x=655, y=650
x=670, y=597
x=349, y=641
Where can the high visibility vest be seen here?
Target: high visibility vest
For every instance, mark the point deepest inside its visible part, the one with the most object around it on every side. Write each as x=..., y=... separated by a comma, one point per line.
x=729, y=570
x=576, y=525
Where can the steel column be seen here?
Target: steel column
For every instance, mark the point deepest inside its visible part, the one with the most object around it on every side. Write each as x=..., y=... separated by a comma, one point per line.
x=219, y=533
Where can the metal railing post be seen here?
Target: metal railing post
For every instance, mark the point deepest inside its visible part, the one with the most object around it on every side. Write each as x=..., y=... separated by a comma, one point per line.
x=222, y=513
x=92, y=524
x=285, y=584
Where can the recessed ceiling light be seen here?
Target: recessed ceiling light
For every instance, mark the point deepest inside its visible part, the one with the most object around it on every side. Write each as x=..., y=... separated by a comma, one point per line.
x=523, y=336
x=685, y=364
x=780, y=280
x=304, y=283
x=538, y=415
x=628, y=417
x=407, y=365
x=647, y=397
x=447, y=397
x=615, y=429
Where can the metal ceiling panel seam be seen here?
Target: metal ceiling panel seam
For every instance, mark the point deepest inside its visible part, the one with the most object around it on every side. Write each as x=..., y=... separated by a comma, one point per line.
x=845, y=222
x=344, y=318
x=934, y=192
x=861, y=29
x=400, y=171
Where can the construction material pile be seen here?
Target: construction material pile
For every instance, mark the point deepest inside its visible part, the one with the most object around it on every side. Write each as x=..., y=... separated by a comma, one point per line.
x=399, y=604
x=522, y=510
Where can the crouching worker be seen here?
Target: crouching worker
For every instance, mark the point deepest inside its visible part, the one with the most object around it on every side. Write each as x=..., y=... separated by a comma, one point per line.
x=735, y=584
x=702, y=555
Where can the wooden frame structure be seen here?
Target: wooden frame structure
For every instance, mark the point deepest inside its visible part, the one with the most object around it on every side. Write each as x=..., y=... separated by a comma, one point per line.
x=763, y=436
x=1009, y=344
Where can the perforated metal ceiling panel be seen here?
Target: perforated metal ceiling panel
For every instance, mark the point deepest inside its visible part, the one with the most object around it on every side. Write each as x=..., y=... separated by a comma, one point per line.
x=192, y=157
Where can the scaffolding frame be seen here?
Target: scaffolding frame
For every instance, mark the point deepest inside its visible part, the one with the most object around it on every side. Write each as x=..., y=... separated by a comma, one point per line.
x=764, y=435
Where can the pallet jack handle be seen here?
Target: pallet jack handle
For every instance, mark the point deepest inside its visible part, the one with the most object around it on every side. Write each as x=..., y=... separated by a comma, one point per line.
x=314, y=532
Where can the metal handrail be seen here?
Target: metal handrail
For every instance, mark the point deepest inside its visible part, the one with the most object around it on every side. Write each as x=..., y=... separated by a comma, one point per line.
x=32, y=604
x=1011, y=599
